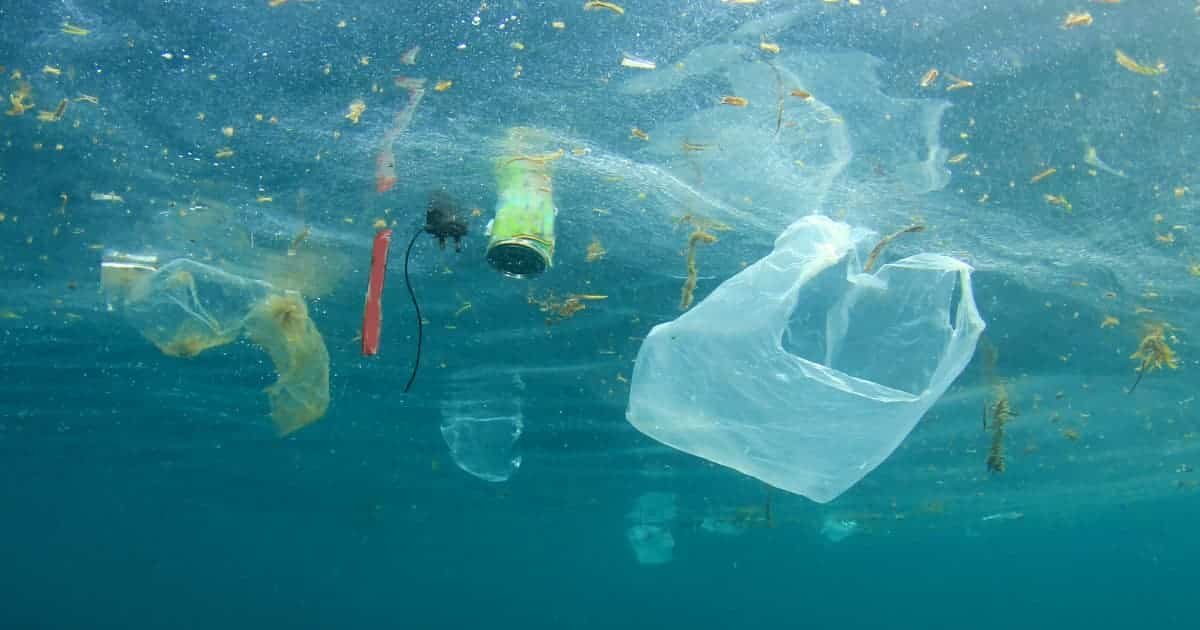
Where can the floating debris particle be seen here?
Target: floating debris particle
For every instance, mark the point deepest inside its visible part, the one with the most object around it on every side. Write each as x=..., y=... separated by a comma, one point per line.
x=355, y=111
x=770, y=47
x=883, y=243
x=1092, y=159
x=595, y=251
x=443, y=85
x=565, y=308
x=409, y=57
x=1131, y=65
x=558, y=25
x=224, y=153
x=955, y=159
x=85, y=98
x=110, y=197
x=1004, y=516
x=1058, y=200
x=929, y=77
x=957, y=83
x=687, y=294
x=227, y=132
x=1043, y=175
x=638, y=134
x=1110, y=322
x=1072, y=20
x=637, y=63
x=801, y=94
x=298, y=240
x=596, y=5
x=51, y=70
x=735, y=101
x=19, y=100
x=56, y=115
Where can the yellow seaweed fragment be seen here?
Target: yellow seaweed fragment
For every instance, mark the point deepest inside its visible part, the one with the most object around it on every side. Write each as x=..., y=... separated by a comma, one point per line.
x=1042, y=175
x=955, y=159
x=1110, y=322
x=596, y=5
x=1153, y=352
x=1131, y=65
x=957, y=83
x=634, y=132
x=19, y=100
x=443, y=85
x=770, y=47
x=698, y=237
x=929, y=77
x=1082, y=18
x=53, y=116
x=736, y=101
x=878, y=249
x=224, y=153
x=1058, y=200
x=355, y=110
x=71, y=29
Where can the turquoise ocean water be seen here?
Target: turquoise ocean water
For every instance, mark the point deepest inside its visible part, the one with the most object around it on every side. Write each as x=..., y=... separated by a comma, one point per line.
x=1055, y=152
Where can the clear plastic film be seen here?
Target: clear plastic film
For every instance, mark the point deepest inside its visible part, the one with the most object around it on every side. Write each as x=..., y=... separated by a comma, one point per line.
x=185, y=307
x=802, y=370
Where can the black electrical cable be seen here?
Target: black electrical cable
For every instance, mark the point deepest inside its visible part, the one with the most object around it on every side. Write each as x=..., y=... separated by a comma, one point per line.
x=416, y=307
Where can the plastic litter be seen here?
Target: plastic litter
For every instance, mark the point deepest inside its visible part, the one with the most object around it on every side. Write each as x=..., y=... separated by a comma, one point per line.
x=481, y=434
x=803, y=372
x=838, y=529
x=185, y=307
x=650, y=522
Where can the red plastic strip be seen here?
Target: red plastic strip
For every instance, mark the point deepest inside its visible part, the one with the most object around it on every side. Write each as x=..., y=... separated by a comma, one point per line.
x=373, y=312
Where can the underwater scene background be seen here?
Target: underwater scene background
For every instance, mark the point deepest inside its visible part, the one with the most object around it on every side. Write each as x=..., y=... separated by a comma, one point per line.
x=190, y=435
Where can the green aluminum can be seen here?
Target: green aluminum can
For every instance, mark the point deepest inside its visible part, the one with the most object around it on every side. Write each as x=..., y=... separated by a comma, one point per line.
x=521, y=243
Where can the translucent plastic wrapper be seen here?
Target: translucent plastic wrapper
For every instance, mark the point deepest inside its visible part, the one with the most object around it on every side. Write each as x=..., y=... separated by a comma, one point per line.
x=481, y=434
x=649, y=532
x=186, y=307
x=801, y=370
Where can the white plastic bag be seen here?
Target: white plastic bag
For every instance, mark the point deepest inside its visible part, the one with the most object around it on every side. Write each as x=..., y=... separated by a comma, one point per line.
x=801, y=370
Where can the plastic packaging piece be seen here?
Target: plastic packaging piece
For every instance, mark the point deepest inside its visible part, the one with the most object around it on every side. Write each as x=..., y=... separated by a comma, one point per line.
x=186, y=307
x=373, y=309
x=838, y=529
x=281, y=325
x=650, y=522
x=481, y=435
x=800, y=370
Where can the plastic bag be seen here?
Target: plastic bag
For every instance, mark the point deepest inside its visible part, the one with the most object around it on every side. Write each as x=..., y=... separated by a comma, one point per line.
x=651, y=520
x=186, y=307
x=802, y=371
x=482, y=433
x=280, y=324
